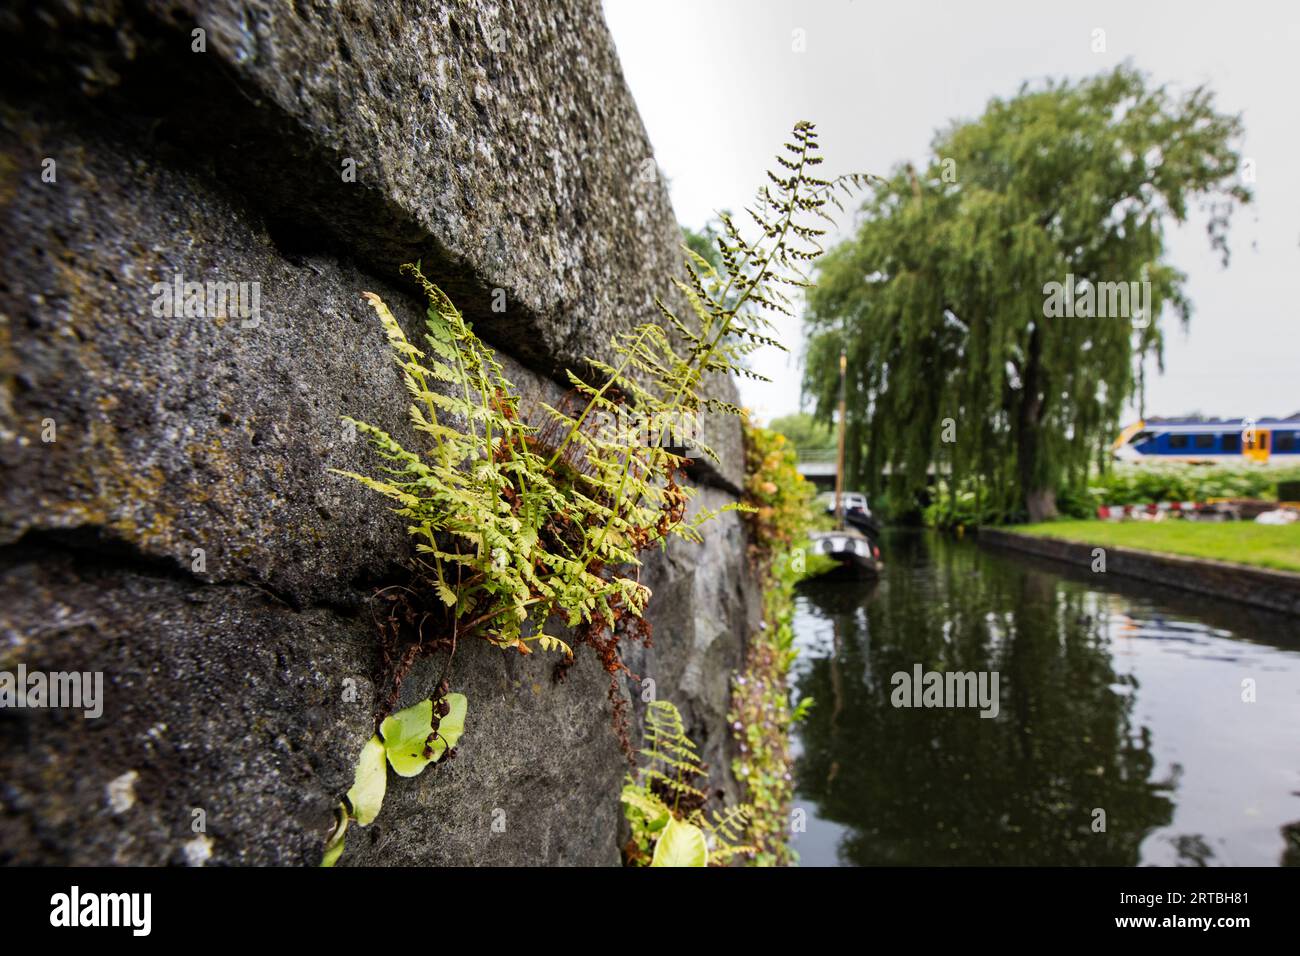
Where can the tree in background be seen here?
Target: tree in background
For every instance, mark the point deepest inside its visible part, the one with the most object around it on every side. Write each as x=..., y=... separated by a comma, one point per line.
x=958, y=356
x=805, y=432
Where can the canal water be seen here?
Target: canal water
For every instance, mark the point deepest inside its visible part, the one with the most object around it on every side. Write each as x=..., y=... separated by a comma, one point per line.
x=1125, y=733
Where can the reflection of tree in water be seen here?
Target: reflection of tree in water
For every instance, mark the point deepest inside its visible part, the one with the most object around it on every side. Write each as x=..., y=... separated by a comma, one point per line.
x=1193, y=849
x=931, y=786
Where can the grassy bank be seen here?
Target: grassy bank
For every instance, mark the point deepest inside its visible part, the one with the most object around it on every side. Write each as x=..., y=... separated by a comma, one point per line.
x=1241, y=542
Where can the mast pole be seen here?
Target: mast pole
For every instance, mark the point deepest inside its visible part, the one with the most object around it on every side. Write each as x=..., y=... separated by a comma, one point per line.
x=839, y=467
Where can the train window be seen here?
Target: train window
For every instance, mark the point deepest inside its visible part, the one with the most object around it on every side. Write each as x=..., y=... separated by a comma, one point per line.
x=1231, y=442
x=1285, y=441
x=1177, y=441
x=1141, y=438
x=1204, y=441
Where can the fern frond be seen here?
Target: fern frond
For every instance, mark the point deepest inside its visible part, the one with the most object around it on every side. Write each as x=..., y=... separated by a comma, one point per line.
x=549, y=643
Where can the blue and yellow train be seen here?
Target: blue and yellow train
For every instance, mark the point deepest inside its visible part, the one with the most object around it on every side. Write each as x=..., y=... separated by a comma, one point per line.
x=1268, y=440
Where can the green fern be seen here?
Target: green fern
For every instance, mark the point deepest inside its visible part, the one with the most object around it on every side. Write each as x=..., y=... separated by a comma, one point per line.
x=516, y=533
x=672, y=759
x=520, y=526
x=653, y=798
x=726, y=829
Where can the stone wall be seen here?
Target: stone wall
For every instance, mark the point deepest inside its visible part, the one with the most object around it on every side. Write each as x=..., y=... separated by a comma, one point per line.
x=495, y=142
x=1260, y=587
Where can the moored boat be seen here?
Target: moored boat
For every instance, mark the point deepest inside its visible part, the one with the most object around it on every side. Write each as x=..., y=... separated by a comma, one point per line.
x=851, y=548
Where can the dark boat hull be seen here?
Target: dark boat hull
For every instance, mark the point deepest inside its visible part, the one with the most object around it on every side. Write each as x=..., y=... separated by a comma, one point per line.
x=852, y=549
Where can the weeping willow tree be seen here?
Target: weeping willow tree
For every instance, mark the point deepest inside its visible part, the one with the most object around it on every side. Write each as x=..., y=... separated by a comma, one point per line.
x=985, y=303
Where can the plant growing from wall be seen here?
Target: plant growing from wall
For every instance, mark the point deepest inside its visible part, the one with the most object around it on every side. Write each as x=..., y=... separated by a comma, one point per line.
x=522, y=527
x=665, y=807
x=779, y=516
x=408, y=741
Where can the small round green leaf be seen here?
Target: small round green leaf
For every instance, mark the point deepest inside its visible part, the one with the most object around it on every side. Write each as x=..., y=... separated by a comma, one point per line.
x=681, y=844
x=406, y=734
x=453, y=725
x=450, y=727
x=367, y=793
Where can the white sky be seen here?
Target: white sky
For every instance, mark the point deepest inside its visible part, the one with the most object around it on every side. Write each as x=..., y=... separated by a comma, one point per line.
x=718, y=85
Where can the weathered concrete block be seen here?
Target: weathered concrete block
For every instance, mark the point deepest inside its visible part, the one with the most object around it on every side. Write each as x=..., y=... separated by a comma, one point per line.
x=497, y=143
x=182, y=533
x=226, y=701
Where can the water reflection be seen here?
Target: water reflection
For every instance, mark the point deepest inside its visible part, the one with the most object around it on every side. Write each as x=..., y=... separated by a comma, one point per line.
x=1113, y=701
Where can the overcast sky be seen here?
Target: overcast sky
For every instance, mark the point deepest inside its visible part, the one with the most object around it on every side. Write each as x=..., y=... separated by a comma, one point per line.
x=719, y=84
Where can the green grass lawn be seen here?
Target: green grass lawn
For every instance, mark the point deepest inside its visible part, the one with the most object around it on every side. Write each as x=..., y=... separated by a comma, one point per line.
x=1242, y=542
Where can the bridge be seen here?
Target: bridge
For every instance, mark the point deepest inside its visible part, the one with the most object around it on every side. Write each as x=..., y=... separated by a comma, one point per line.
x=818, y=466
